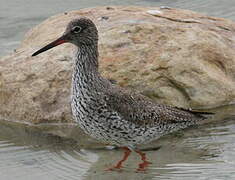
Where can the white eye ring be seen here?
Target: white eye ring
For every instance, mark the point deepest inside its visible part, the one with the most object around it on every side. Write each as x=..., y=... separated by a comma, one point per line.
x=76, y=29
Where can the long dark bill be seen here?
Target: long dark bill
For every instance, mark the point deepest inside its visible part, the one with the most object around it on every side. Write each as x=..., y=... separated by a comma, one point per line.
x=57, y=42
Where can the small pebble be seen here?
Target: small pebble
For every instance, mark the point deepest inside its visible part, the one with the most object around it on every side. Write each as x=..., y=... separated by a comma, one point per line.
x=109, y=8
x=127, y=31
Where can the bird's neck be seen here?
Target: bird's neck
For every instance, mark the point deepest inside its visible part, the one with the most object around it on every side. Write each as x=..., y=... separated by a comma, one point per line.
x=87, y=58
x=86, y=65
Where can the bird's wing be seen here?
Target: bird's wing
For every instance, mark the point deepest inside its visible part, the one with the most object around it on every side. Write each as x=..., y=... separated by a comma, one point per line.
x=140, y=110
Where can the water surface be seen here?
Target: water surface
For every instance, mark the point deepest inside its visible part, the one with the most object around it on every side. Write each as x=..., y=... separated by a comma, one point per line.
x=202, y=152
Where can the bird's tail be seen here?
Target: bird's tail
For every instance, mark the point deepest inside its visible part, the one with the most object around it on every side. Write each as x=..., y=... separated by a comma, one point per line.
x=203, y=114
x=200, y=114
x=205, y=117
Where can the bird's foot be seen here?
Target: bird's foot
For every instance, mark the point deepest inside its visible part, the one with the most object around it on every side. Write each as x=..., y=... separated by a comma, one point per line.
x=114, y=168
x=118, y=166
x=142, y=166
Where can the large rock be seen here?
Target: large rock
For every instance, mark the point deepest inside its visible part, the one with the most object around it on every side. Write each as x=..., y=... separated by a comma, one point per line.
x=174, y=56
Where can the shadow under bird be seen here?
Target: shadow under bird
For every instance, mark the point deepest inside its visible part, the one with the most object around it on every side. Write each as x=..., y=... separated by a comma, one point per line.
x=110, y=113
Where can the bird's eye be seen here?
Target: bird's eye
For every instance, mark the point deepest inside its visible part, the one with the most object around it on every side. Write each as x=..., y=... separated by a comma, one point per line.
x=77, y=29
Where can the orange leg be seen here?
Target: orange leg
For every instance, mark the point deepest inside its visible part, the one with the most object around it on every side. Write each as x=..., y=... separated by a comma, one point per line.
x=145, y=163
x=127, y=152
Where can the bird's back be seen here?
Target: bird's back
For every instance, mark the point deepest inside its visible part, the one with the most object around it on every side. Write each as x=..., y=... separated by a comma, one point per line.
x=138, y=109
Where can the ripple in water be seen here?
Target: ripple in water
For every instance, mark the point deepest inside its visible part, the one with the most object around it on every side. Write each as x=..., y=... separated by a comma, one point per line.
x=32, y=157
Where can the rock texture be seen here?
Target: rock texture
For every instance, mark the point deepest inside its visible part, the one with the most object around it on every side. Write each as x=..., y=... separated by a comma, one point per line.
x=174, y=56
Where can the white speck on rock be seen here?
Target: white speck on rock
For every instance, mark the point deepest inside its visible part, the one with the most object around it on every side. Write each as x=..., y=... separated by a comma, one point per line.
x=154, y=12
x=165, y=7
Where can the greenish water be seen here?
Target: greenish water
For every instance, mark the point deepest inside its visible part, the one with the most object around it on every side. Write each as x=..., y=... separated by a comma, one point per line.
x=203, y=152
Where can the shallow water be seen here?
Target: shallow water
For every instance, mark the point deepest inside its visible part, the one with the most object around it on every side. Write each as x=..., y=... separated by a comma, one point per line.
x=17, y=16
x=203, y=152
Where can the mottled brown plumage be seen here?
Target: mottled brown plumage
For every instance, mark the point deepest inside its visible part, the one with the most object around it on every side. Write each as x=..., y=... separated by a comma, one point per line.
x=141, y=110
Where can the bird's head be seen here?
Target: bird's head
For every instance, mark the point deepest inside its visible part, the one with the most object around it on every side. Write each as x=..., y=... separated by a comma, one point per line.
x=81, y=31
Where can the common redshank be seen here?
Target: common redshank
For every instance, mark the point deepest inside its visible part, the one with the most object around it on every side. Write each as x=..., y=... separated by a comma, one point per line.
x=109, y=113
